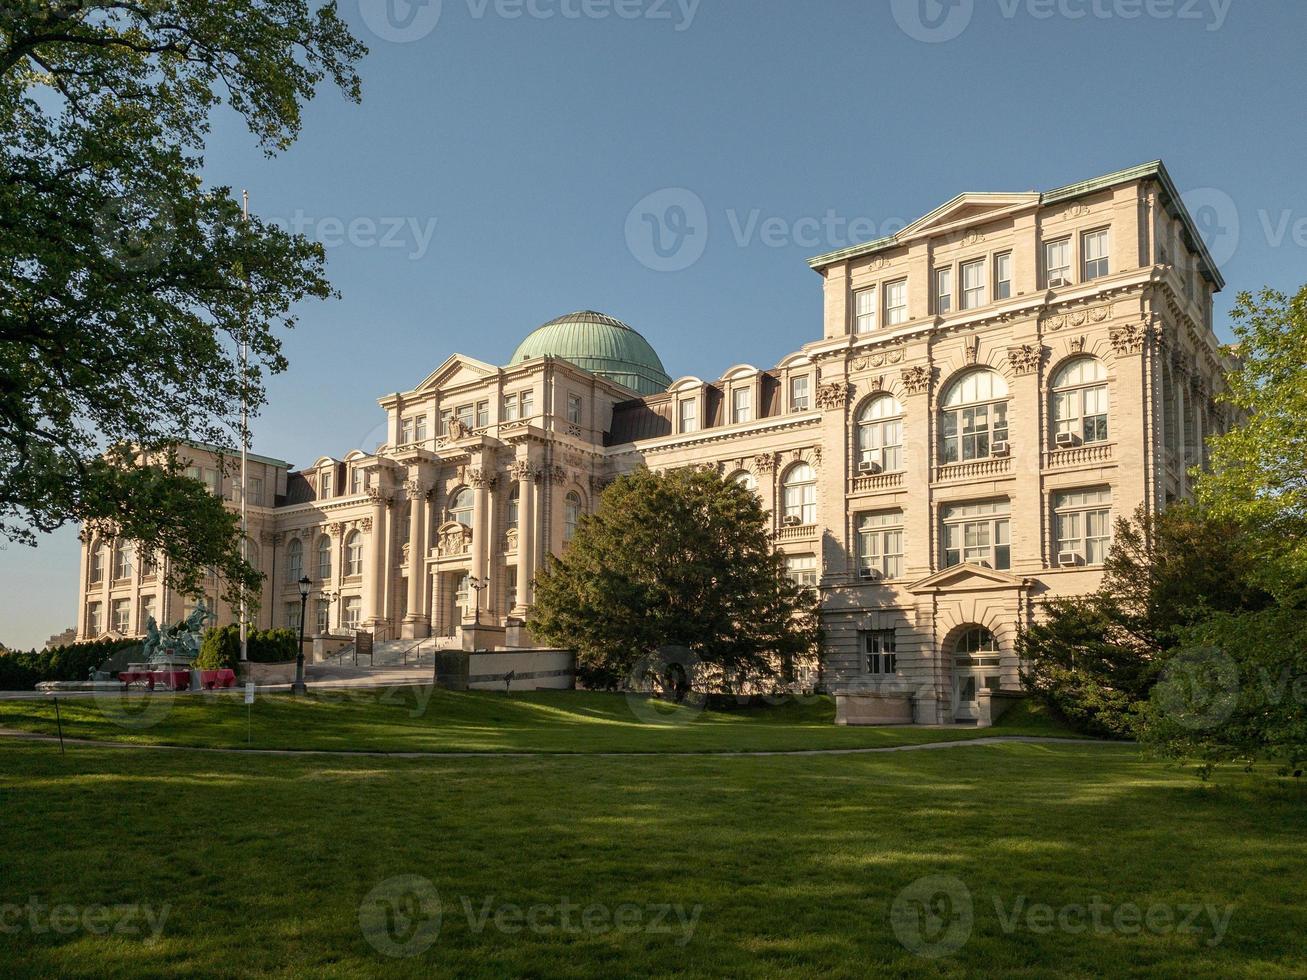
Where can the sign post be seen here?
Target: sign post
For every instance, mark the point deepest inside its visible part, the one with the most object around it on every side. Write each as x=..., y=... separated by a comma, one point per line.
x=249, y=700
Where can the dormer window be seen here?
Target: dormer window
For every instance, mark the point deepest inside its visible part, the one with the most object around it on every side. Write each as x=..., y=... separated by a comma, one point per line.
x=799, y=397
x=324, y=483
x=689, y=415
x=741, y=405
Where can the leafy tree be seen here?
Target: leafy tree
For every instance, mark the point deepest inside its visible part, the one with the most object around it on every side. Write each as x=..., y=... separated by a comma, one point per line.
x=682, y=559
x=125, y=284
x=1095, y=659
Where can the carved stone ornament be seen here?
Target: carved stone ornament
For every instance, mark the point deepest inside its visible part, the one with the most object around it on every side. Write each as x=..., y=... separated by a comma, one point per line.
x=458, y=429
x=876, y=383
x=270, y=537
x=366, y=524
x=915, y=379
x=832, y=395
x=556, y=474
x=882, y=357
x=972, y=237
x=481, y=479
x=1078, y=318
x=510, y=539
x=1129, y=338
x=378, y=496
x=1077, y=345
x=971, y=349
x=455, y=539
x=336, y=527
x=598, y=484
x=521, y=469
x=1025, y=358
x=764, y=462
x=815, y=455
x=415, y=489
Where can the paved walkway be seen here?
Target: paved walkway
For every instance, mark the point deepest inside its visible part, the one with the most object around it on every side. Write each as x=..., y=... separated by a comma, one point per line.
x=363, y=753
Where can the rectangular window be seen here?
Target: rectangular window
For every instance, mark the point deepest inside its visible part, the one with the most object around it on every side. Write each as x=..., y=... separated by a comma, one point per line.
x=510, y=587
x=325, y=481
x=1057, y=260
x=93, y=627
x=356, y=481
x=896, y=303
x=973, y=284
x=1003, y=275
x=689, y=409
x=195, y=473
x=742, y=405
x=880, y=543
x=322, y=618
x=969, y=433
x=799, y=400
x=256, y=491
x=122, y=561
x=148, y=612
x=464, y=414
x=213, y=480
x=97, y=564
x=1093, y=249
x=574, y=409
x=880, y=649
x=405, y=431
x=351, y=612
x=122, y=615
x=1082, y=524
x=978, y=534
x=943, y=291
x=864, y=310
x=527, y=405
x=292, y=617
x=420, y=429
x=509, y=412
x=802, y=570
x=483, y=414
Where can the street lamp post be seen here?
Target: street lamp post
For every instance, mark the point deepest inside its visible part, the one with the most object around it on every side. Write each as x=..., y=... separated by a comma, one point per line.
x=478, y=584
x=298, y=687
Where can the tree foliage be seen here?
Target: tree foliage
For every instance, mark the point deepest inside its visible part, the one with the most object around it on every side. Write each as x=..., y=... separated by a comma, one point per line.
x=682, y=559
x=125, y=284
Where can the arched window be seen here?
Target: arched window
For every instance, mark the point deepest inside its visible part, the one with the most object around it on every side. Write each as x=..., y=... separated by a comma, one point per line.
x=99, y=554
x=973, y=416
x=976, y=640
x=122, y=559
x=294, y=560
x=354, y=554
x=324, y=558
x=571, y=515
x=745, y=479
x=460, y=507
x=800, y=493
x=880, y=436
x=514, y=500
x=1080, y=402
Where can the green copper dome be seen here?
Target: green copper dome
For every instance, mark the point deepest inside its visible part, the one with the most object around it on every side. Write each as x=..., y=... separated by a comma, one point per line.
x=601, y=345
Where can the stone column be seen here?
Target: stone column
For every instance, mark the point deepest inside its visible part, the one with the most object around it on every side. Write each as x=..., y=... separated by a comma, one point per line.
x=84, y=535
x=374, y=592
x=524, y=473
x=1026, y=426
x=483, y=482
x=417, y=622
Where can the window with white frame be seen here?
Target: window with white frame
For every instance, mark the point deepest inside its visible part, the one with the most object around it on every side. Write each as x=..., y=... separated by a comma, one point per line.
x=864, y=310
x=122, y=615
x=324, y=558
x=322, y=616
x=442, y=422
x=213, y=480
x=294, y=560
x=689, y=414
x=464, y=413
x=460, y=506
x=93, y=624
x=571, y=515
x=526, y=404
x=420, y=429
x=508, y=412
x=977, y=533
x=742, y=405
x=973, y=416
x=880, y=651
x=1003, y=275
x=880, y=435
x=122, y=559
x=514, y=505
x=800, y=494
x=256, y=491
x=1082, y=524
x=483, y=414
x=325, y=482
x=800, y=400
x=291, y=615
x=1093, y=252
x=896, y=303
x=357, y=480
x=98, y=554
x=149, y=610
x=1057, y=260
x=973, y=284
x=354, y=553
x=574, y=409
x=351, y=612
x=1080, y=400
x=944, y=290
x=802, y=570
x=880, y=543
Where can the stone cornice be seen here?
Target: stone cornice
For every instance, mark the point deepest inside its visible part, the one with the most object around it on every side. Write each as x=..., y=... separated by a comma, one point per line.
x=778, y=423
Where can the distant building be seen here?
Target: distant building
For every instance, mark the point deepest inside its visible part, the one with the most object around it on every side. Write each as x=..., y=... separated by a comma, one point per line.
x=62, y=639
x=992, y=387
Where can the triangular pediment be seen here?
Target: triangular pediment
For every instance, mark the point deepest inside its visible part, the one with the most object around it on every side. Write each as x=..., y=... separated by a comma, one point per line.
x=458, y=369
x=967, y=577
x=973, y=208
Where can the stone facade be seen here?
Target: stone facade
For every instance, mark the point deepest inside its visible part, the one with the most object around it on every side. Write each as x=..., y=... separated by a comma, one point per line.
x=993, y=386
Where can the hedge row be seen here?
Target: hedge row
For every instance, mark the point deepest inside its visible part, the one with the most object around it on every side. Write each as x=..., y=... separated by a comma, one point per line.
x=222, y=647
x=22, y=670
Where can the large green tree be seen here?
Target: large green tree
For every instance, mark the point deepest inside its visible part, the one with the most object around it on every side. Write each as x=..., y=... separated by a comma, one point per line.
x=126, y=284
x=681, y=560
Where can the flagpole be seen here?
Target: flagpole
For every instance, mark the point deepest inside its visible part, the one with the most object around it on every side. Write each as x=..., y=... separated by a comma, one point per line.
x=245, y=440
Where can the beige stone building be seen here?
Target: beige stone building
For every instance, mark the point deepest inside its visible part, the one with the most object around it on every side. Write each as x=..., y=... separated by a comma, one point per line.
x=992, y=387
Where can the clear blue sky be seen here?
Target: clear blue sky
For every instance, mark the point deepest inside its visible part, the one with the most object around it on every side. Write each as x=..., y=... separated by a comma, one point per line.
x=529, y=139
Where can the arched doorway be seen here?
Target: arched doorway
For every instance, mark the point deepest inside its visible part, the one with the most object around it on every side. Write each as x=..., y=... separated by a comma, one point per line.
x=975, y=658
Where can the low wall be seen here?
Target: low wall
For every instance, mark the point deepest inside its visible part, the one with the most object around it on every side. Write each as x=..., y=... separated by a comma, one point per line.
x=282, y=673
x=992, y=705
x=532, y=670
x=873, y=708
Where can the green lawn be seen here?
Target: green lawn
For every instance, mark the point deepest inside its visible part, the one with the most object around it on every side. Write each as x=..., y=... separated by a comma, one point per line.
x=425, y=719
x=793, y=863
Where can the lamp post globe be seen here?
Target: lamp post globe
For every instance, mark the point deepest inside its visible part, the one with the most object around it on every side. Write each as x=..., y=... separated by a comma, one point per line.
x=298, y=687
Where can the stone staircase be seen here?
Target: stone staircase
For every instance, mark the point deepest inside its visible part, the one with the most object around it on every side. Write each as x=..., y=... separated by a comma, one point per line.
x=394, y=654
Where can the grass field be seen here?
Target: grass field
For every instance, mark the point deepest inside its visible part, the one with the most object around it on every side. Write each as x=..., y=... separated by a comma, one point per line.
x=1050, y=859
x=425, y=719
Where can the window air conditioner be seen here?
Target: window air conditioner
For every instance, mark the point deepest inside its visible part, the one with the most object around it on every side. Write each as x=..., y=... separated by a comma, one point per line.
x=870, y=574
x=1067, y=439
x=868, y=466
x=1000, y=449
x=1068, y=559
x=1057, y=282
x=791, y=520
